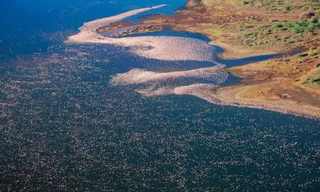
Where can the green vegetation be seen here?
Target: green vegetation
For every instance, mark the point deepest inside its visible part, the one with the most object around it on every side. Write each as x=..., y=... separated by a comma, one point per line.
x=266, y=35
x=274, y=5
x=215, y=31
x=278, y=32
x=298, y=26
x=282, y=5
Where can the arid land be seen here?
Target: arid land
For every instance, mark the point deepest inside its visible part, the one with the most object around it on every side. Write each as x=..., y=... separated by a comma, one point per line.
x=289, y=84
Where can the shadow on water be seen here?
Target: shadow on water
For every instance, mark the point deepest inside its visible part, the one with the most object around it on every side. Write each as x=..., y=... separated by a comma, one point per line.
x=251, y=59
x=167, y=31
x=218, y=50
x=248, y=60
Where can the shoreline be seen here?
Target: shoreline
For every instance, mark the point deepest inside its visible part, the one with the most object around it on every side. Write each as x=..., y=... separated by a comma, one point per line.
x=258, y=88
x=227, y=96
x=167, y=48
x=239, y=95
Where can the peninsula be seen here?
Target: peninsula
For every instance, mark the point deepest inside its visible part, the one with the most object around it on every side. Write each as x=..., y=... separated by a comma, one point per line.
x=287, y=84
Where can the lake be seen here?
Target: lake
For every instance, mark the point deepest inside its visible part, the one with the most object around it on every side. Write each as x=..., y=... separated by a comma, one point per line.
x=64, y=127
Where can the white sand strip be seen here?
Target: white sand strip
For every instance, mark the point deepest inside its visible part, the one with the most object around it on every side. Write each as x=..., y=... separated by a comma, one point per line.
x=167, y=48
x=194, y=89
x=139, y=76
x=96, y=24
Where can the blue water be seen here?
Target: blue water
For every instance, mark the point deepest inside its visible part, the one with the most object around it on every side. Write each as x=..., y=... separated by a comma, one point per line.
x=65, y=128
x=29, y=26
x=170, y=32
x=218, y=50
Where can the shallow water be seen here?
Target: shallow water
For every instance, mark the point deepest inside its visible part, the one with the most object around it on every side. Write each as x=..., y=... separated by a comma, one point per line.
x=169, y=32
x=64, y=127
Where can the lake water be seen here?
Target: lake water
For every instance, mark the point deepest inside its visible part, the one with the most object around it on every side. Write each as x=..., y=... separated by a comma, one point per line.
x=65, y=128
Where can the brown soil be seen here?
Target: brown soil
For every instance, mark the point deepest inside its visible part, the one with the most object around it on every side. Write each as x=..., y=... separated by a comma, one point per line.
x=248, y=30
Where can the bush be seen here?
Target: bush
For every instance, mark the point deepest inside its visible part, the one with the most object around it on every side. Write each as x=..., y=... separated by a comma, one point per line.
x=304, y=26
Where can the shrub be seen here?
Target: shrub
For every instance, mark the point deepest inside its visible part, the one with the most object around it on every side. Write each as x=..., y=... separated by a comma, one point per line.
x=304, y=26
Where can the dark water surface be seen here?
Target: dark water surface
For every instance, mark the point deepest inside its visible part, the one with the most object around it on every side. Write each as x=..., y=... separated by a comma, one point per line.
x=63, y=127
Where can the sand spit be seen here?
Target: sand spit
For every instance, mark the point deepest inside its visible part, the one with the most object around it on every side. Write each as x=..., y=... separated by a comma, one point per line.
x=96, y=24
x=171, y=48
x=234, y=96
x=194, y=89
x=229, y=96
x=140, y=76
x=167, y=48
